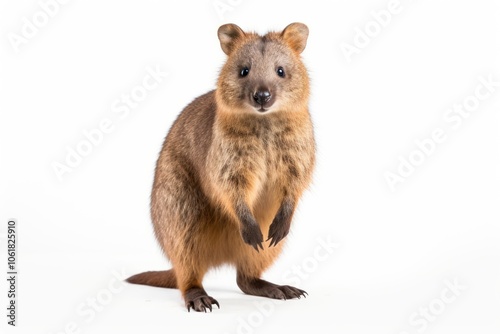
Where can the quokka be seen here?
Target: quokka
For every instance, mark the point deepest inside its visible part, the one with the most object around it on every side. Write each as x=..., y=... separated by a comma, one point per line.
x=233, y=168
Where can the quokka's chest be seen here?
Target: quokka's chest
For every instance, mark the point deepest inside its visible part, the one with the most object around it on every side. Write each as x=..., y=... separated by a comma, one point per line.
x=267, y=149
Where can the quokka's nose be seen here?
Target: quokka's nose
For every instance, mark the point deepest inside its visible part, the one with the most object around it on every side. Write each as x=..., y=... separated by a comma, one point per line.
x=262, y=96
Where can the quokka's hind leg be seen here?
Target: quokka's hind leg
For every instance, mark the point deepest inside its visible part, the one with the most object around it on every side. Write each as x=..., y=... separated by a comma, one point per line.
x=250, y=269
x=179, y=213
x=189, y=281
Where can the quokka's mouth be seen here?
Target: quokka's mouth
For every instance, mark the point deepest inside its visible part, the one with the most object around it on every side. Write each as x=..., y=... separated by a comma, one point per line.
x=262, y=108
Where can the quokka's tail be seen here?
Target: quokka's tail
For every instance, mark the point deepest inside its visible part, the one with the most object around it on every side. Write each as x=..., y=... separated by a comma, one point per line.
x=160, y=279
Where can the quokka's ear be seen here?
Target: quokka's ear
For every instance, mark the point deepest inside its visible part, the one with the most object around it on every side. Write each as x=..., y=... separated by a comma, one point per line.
x=228, y=36
x=295, y=35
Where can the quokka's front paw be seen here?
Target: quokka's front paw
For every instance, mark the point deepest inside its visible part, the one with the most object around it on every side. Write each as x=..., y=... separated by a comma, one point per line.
x=252, y=235
x=277, y=232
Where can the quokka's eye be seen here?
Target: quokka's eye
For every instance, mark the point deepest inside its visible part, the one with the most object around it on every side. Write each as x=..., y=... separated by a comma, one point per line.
x=244, y=72
x=281, y=72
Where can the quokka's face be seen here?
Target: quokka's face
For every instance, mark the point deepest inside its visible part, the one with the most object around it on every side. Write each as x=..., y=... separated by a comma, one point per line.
x=263, y=73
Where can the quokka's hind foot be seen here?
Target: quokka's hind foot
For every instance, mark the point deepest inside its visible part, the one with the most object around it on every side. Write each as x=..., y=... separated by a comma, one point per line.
x=262, y=288
x=198, y=300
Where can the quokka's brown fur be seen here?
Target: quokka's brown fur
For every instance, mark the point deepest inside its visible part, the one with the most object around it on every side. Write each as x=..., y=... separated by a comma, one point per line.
x=233, y=168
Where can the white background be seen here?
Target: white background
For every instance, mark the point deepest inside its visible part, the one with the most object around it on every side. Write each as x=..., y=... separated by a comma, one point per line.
x=396, y=249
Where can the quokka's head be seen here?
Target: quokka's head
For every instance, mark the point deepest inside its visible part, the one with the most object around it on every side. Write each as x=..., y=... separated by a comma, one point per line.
x=263, y=73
